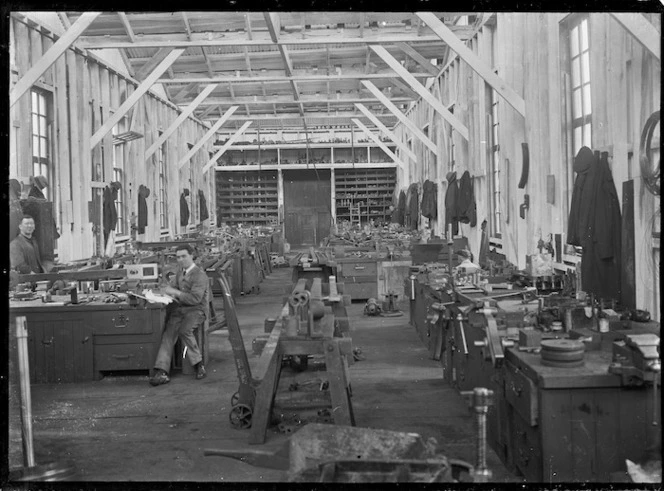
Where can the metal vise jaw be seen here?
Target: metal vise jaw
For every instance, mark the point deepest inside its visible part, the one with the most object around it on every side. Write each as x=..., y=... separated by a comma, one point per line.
x=493, y=342
x=636, y=359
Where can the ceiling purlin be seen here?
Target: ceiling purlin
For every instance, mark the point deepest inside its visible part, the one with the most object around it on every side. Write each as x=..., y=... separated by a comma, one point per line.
x=247, y=23
x=273, y=26
x=304, y=24
x=123, y=53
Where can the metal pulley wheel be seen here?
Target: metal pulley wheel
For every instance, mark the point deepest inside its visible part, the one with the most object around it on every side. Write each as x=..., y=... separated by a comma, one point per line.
x=240, y=416
x=562, y=353
x=235, y=398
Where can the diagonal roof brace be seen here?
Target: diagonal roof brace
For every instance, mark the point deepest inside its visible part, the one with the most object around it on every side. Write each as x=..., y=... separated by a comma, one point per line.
x=206, y=136
x=643, y=31
x=226, y=146
x=422, y=91
x=51, y=56
x=404, y=148
x=475, y=62
x=378, y=142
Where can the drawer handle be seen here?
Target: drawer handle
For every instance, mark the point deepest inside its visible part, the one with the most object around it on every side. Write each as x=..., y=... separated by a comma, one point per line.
x=85, y=339
x=122, y=357
x=47, y=342
x=121, y=321
x=360, y=267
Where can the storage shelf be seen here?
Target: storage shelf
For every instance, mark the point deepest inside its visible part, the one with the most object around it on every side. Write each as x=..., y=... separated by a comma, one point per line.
x=303, y=146
x=361, y=185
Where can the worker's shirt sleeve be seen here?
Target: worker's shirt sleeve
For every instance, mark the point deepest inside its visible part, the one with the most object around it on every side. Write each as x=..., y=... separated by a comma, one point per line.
x=17, y=258
x=193, y=287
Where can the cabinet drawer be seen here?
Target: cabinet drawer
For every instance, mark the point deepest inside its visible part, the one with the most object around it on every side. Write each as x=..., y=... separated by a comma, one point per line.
x=130, y=321
x=361, y=291
x=358, y=268
x=360, y=279
x=124, y=356
x=521, y=392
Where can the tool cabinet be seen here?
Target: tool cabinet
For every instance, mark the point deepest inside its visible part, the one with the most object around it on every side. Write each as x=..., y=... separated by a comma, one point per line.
x=360, y=277
x=76, y=343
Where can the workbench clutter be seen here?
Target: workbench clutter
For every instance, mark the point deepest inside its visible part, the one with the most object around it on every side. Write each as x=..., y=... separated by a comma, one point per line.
x=536, y=348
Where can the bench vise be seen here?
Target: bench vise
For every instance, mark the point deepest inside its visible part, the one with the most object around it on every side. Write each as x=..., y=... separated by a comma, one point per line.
x=636, y=359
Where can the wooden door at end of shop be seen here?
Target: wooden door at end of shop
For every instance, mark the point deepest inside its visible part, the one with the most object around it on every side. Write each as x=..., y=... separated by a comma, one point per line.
x=307, y=207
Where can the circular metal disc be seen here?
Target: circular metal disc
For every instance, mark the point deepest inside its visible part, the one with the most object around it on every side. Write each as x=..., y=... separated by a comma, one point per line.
x=562, y=345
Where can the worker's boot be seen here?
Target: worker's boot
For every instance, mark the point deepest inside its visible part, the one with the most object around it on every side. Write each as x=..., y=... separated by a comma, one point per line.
x=200, y=370
x=160, y=377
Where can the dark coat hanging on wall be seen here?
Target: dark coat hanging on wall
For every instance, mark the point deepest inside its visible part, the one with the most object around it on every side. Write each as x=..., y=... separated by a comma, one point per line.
x=184, y=208
x=143, y=194
x=110, y=212
x=412, y=214
x=203, y=206
x=466, y=206
x=595, y=224
x=400, y=209
x=451, y=202
x=429, y=200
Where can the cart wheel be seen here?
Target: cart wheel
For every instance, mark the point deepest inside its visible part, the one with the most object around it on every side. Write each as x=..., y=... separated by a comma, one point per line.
x=235, y=398
x=240, y=417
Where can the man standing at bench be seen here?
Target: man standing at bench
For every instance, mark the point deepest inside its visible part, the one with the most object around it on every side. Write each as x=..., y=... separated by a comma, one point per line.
x=189, y=289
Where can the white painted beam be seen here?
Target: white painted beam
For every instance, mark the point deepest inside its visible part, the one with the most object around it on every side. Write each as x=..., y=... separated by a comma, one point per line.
x=422, y=91
x=415, y=55
x=401, y=116
x=387, y=131
x=134, y=97
x=377, y=141
x=226, y=146
x=475, y=62
x=206, y=136
x=51, y=56
x=183, y=116
x=345, y=75
x=643, y=31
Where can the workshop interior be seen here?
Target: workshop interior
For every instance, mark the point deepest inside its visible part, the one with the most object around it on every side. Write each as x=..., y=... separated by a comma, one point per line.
x=334, y=247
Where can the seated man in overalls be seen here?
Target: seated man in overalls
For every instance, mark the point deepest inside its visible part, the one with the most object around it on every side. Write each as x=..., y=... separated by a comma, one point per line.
x=189, y=288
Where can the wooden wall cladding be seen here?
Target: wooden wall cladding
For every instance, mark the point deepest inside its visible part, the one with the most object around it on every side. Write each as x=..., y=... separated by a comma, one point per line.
x=85, y=92
x=528, y=55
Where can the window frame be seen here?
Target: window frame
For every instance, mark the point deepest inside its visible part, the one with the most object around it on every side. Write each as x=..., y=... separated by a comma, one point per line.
x=41, y=165
x=119, y=175
x=584, y=81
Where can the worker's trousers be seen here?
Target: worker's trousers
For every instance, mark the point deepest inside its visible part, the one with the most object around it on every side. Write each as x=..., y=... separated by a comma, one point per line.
x=180, y=324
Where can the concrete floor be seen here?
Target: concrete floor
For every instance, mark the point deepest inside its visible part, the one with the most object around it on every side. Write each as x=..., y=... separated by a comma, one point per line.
x=122, y=429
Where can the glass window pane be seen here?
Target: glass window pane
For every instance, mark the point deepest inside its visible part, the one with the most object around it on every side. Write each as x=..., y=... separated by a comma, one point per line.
x=586, y=100
x=576, y=103
x=574, y=38
x=585, y=67
x=576, y=75
x=42, y=148
x=587, y=140
x=35, y=145
x=584, y=35
x=35, y=124
x=34, y=101
x=578, y=139
x=42, y=126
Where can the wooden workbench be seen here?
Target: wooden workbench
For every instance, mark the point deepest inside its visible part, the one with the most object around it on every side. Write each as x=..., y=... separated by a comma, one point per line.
x=75, y=343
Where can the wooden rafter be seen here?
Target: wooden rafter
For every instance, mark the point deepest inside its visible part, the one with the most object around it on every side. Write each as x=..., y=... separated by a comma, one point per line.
x=306, y=99
x=102, y=42
x=64, y=19
x=422, y=91
x=475, y=62
x=424, y=63
x=247, y=24
x=226, y=146
x=404, y=148
x=127, y=26
x=378, y=142
x=401, y=116
x=179, y=120
x=185, y=91
x=146, y=69
x=407, y=89
x=643, y=31
x=274, y=27
x=134, y=97
x=345, y=75
x=51, y=56
x=206, y=137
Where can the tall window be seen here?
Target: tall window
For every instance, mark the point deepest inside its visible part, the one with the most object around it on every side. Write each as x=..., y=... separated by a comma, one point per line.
x=161, y=166
x=452, y=151
x=579, y=53
x=494, y=163
x=119, y=147
x=40, y=137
